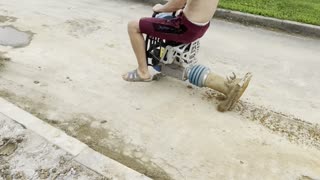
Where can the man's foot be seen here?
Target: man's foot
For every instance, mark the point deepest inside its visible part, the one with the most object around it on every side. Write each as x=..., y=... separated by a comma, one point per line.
x=237, y=87
x=135, y=76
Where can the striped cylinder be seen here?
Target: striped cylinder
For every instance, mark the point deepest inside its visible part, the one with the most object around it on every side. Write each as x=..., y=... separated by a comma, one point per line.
x=198, y=74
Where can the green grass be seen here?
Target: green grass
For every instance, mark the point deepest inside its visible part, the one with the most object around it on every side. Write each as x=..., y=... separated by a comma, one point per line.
x=306, y=11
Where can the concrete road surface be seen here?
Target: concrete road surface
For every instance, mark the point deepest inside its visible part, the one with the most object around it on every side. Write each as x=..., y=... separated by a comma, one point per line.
x=70, y=76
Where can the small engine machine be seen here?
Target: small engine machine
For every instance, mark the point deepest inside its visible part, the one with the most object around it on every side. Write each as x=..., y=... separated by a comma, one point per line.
x=179, y=60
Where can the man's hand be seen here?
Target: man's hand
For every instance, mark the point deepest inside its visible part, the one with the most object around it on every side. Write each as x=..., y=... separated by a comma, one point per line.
x=157, y=8
x=170, y=6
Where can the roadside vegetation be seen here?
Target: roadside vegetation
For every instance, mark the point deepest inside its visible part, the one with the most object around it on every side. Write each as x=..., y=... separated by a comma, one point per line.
x=306, y=11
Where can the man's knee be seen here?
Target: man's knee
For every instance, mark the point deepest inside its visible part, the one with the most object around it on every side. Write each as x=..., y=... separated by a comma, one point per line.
x=133, y=26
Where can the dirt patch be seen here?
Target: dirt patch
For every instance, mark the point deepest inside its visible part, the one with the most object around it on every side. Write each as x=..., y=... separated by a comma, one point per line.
x=7, y=19
x=82, y=27
x=24, y=103
x=103, y=140
x=5, y=171
x=306, y=178
x=111, y=144
x=8, y=147
x=3, y=59
x=294, y=129
x=66, y=169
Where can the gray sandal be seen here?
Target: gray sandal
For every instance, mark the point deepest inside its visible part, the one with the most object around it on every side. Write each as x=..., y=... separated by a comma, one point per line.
x=133, y=76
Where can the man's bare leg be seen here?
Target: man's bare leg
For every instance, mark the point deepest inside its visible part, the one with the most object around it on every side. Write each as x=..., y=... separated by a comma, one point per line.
x=138, y=45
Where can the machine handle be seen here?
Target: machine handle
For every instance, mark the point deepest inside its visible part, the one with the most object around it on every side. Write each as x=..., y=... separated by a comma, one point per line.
x=154, y=14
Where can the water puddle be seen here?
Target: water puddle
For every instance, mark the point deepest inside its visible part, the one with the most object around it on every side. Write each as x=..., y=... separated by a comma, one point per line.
x=10, y=36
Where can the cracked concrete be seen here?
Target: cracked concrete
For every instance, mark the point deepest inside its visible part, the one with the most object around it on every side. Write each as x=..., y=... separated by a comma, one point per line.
x=25, y=155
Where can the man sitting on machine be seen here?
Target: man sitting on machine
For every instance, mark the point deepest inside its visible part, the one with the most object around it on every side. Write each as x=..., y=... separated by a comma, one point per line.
x=185, y=29
x=189, y=25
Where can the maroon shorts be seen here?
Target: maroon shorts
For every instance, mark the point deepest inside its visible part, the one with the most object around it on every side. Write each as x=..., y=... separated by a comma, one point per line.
x=178, y=29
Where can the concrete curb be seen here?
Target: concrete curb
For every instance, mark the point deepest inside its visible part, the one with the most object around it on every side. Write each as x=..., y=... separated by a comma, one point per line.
x=262, y=21
x=273, y=23
x=80, y=151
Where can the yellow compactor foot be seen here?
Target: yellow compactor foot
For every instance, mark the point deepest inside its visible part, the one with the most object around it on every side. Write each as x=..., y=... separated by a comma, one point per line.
x=237, y=88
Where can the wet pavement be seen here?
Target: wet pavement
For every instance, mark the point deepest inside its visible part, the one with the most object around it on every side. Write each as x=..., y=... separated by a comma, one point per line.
x=10, y=36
